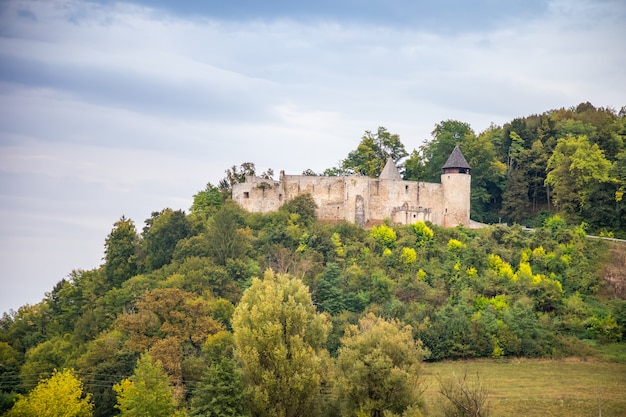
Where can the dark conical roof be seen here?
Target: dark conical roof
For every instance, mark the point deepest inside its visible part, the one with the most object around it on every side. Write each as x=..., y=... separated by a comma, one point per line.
x=456, y=160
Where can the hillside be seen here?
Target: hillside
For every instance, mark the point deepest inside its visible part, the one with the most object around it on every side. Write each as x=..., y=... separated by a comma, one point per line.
x=249, y=309
x=495, y=292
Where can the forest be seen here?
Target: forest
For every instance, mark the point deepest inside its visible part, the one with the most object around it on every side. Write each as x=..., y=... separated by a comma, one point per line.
x=221, y=312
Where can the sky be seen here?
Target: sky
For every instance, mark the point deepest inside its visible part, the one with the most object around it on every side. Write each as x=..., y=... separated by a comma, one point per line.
x=111, y=108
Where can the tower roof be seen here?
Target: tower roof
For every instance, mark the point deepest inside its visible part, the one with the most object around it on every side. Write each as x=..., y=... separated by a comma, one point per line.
x=390, y=172
x=456, y=160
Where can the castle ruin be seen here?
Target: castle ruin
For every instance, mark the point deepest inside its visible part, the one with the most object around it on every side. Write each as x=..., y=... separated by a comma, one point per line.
x=369, y=201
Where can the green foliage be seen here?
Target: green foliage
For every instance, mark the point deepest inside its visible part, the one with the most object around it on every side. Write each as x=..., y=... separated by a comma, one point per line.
x=575, y=166
x=122, y=252
x=61, y=395
x=606, y=329
x=378, y=368
x=370, y=156
x=220, y=393
x=423, y=233
x=207, y=201
x=235, y=175
x=42, y=360
x=414, y=167
x=145, y=393
x=446, y=135
x=329, y=295
x=225, y=238
x=102, y=365
x=384, y=236
x=280, y=341
x=304, y=206
x=161, y=234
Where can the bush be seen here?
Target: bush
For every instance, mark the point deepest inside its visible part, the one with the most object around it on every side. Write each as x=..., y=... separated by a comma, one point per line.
x=464, y=397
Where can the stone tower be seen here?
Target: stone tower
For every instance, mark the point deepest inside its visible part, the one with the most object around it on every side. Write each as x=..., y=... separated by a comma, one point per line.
x=456, y=182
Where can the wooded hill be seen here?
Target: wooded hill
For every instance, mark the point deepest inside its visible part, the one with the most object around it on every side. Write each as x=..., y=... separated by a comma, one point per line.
x=568, y=161
x=223, y=312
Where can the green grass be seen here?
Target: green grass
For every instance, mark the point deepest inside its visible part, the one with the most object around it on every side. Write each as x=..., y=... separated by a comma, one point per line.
x=529, y=388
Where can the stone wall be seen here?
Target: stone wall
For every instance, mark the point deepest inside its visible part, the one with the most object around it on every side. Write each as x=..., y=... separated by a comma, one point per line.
x=363, y=200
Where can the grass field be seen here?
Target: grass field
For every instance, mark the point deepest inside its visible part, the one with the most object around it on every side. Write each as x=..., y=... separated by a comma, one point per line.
x=529, y=388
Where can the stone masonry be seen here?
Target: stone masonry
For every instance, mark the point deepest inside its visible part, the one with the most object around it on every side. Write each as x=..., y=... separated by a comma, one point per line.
x=369, y=201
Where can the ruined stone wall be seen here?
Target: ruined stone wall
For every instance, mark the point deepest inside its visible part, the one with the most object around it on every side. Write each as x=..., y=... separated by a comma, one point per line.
x=414, y=201
x=258, y=195
x=328, y=193
x=364, y=200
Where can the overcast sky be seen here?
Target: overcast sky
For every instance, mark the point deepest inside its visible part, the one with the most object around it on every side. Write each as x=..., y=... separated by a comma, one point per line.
x=123, y=108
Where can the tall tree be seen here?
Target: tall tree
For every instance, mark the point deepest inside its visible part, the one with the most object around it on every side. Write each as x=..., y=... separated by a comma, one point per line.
x=573, y=169
x=414, y=167
x=225, y=237
x=279, y=341
x=121, y=250
x=165, y=321
x=488, y=173
x=378, y=368
x=370, y=156
x=207, y=201
x=221, y=392
x=61, y=395
x=435, y=152
x=146, y=393
x=161, y=234
x=43, y=359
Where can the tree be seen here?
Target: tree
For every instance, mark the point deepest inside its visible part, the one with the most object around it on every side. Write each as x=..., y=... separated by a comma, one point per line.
x=146, y=393
x=225, y=239
x=161, y=234
x=221, y=392
x=414, y=167
x=66, y=302
x=43, y=359
x=464, y=398
x=279, y=343
x=10, y=360
x=168, y=321
x=573, y=169
x=435, y=152
x=488, y=173
x=207, y=201
x=384, y=236
x=329, y=294
x=370, y=156
x=235, y=175
x=103, y=364
x=304, y=206
x=378, y=368
x=121, y=250
x=59, y=396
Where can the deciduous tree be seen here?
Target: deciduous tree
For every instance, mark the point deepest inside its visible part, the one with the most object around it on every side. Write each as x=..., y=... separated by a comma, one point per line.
x=280, y=339
x=146, y=393
x=61, y=395
x=207, y=201
x=161, y=234
x=370, y=156
x=121, y=252
x=378, y=368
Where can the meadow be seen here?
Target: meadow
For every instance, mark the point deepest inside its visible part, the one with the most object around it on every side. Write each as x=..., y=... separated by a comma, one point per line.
x=537, y=387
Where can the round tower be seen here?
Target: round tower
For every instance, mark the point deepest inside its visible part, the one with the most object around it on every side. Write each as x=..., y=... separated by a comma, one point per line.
x=456, y=187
